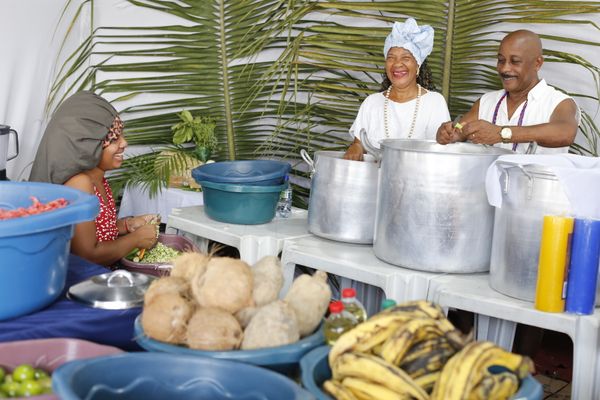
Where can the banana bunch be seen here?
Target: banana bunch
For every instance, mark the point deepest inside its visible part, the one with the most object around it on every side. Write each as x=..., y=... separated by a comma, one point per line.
x=411, y=351
x=467, y=375
x=398, y=353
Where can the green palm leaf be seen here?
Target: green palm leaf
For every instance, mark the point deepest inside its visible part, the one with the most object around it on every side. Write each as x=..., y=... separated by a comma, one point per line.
x=281, y=75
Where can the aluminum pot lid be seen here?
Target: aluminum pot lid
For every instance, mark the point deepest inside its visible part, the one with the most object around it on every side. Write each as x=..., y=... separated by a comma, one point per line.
x=115, y=290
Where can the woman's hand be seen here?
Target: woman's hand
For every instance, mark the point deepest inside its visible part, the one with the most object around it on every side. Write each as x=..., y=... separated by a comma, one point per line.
x=146, y=236
x=448, y=133
x=355, y=151
x=134, y=223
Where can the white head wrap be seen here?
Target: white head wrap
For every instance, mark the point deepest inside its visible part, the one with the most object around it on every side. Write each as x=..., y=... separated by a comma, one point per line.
x=408, y=35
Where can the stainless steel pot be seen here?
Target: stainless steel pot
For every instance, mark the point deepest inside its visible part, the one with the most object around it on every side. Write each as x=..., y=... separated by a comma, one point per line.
x=343, y=196
x=528, y=193
x=432, y=209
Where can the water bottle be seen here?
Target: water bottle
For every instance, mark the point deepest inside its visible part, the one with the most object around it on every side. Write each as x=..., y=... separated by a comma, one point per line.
x=338, y=322
x=352, y=305
x=284, y=205
x=387, y=303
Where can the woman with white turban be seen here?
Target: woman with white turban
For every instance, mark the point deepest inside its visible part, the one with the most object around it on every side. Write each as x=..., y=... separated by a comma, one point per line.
x=407, y=108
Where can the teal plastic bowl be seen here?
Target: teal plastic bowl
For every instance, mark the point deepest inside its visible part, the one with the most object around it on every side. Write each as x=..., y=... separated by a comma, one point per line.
x=315, y=370
x=284, y=359
x=240, y=204
x=156, y=376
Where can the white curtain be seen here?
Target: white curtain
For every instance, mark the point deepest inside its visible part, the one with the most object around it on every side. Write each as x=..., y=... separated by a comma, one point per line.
x=30, y=40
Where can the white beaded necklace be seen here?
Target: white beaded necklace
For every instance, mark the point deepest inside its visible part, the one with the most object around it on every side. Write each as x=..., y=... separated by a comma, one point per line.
x=386, y=117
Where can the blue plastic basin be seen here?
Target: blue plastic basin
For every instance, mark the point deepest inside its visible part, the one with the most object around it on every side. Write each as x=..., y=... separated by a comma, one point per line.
x=160, y=376
x=34, y=250
x=315, y=370
x=246, y=172
x=281, y=358
x=240, y=204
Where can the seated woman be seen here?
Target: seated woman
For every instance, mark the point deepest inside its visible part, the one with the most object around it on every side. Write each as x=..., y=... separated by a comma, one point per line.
x=83, y=140
x=407, y=108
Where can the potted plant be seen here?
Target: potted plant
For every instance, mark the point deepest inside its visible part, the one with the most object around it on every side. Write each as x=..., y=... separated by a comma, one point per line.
x=200, y=130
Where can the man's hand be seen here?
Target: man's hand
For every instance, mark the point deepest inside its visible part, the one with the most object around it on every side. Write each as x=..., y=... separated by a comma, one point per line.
x=447, y=133
x=355, y=151
x=482, y=132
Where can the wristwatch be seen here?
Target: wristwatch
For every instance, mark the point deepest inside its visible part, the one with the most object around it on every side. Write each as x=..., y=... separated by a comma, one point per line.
x=506, y=134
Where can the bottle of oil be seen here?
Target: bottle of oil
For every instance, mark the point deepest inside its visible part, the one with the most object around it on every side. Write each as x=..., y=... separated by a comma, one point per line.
x=352, y=305
x=338, y=322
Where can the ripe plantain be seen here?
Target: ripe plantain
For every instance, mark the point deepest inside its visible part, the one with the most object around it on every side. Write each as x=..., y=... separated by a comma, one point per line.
x=398, y=344
x=338, y=391
x=377, y=370
x=366, y=335
x=366, y=390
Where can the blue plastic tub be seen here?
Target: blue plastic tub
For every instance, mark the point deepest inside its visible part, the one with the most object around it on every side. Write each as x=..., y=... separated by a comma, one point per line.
x=241, y=204
x=245, y=172
x=315, y=370
x=34, y=250
x=149, y=376
x=283, y=359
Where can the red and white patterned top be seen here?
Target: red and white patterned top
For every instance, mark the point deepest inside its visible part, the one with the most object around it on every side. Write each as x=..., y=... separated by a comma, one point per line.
x=106, y=221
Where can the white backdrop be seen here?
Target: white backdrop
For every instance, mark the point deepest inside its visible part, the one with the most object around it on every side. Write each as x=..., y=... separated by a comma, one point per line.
x=30, y=43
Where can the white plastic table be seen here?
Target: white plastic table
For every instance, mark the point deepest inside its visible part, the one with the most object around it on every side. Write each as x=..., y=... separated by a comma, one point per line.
x=253, y=241
x=356, y=262
x=498, y=315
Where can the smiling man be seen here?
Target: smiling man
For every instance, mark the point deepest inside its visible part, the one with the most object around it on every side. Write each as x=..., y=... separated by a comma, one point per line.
x=527, y=115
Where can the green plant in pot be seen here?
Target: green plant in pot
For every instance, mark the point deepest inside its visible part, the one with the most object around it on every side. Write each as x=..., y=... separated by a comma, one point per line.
x=200, y=130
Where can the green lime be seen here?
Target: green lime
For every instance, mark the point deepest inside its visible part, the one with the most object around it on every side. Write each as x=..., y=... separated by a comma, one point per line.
x=46, y=383
x=11, y=388
x=39, y=373
x=23, y=373
x=30, y=388
x=2, y=374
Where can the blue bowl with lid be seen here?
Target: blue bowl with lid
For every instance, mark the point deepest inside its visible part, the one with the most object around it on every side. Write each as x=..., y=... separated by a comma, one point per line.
x=243, y=172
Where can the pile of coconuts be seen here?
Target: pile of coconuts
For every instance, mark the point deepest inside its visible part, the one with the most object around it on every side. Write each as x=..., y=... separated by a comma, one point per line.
x=221, y=303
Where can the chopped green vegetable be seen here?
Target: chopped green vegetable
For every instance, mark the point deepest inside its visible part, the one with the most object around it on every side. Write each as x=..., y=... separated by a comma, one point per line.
x=159, y=254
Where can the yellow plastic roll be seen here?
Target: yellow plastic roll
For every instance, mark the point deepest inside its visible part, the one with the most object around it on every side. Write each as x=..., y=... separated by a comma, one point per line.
x=553, y=263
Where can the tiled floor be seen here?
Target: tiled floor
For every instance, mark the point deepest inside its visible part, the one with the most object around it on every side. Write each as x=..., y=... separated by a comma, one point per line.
x=554, y=364
x=555, y=389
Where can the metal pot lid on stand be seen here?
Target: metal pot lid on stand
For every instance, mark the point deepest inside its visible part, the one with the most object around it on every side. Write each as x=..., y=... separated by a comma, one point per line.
x=115, y=290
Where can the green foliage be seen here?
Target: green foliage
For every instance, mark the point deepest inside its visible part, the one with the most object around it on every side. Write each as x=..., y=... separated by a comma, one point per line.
x=282, y=75
x=199, y=129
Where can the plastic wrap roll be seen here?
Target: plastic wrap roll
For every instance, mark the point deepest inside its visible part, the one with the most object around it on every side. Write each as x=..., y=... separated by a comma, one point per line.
x=553, y=262
x=583, y=268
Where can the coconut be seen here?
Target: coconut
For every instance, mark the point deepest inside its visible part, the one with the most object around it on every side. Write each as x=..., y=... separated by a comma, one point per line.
x=167, y=284
x=245, y=315
x=165, y=318
x=273, y=325
x=226, y=284
x=213, y=329
x=268, y=280
x=309, y=296
x=189, y=264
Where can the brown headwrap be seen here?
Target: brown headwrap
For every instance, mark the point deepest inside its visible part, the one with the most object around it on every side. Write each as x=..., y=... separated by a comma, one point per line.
x=72, y=142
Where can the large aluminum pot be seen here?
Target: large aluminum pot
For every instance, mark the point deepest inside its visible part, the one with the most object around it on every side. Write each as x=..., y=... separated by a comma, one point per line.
x=528, y=193
x=432, y=210
x=342, y=197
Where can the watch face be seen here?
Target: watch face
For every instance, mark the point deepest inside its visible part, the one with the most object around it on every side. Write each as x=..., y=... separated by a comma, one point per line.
x=506, y=133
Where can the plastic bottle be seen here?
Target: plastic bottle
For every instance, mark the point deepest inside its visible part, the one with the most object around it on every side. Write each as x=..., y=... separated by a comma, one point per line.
x=352, y=305
x=387, y=303
x=284, y=205
x=338, y=322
